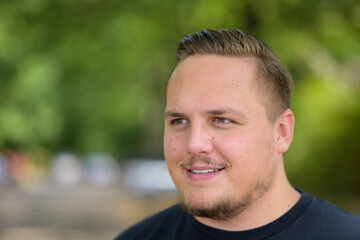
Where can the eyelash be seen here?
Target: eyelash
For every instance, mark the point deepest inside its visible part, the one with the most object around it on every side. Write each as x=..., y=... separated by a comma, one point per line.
x=216, y=120
x=175, y=122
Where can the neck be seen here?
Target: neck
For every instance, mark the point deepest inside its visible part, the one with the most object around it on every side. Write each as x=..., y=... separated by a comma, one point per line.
x=270, y=206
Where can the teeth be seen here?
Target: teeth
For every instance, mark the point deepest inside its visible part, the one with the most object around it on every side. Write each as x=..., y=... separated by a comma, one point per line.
x=204, y=171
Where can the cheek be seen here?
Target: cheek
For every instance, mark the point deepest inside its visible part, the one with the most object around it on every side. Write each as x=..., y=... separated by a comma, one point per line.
x=244, y=151
x=233, y=147
x=174, y=154
x=173, y=148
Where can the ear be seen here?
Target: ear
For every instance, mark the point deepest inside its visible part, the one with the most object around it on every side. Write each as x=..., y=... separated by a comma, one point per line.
x=285, y=130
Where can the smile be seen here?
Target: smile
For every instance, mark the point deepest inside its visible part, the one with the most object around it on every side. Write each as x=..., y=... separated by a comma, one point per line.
x=205, y=171
x=203, y=174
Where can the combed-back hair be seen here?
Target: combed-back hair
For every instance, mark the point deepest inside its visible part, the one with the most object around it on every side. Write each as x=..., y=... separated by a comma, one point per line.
x=273, y=82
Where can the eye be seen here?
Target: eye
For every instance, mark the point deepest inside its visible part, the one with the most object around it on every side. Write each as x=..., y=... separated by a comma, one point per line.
x=221, y=120
x=178, y=121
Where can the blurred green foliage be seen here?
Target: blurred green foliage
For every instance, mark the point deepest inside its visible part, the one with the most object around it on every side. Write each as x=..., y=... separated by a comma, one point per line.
x=90, y=75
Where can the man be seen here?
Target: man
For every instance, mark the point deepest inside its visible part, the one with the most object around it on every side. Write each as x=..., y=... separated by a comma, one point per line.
x=227, y=125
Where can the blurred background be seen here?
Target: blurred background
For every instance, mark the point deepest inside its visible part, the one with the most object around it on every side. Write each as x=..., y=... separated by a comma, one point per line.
x=82, y=97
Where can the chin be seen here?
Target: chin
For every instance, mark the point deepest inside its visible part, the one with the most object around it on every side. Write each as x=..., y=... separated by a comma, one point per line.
x=220, y=209
x=214, y=204
x=202, y=197
x=199, y=202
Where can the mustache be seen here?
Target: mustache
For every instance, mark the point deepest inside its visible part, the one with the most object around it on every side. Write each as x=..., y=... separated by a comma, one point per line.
x=205, y=160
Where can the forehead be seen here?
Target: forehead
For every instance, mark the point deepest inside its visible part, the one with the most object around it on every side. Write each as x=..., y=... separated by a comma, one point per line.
x=224, y=67
x=211, y=79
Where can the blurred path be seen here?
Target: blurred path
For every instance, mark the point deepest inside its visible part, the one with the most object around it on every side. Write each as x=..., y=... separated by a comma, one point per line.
x=85, y=212
x=53, y=212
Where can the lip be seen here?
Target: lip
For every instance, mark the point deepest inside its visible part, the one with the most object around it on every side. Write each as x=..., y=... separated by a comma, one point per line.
x=203, y=167
x=203, y=177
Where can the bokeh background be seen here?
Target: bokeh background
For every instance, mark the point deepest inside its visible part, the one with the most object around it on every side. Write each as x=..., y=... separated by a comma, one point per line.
x=82, y=97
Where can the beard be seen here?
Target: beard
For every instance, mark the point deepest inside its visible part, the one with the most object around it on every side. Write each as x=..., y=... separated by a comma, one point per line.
x=226, y=208
x=221, y=210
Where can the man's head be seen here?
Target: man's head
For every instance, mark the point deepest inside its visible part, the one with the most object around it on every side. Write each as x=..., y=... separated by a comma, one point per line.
x=273, y=81
x=227, y=123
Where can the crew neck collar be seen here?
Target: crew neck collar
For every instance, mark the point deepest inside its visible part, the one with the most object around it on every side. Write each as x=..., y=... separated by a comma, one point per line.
x=261, y=232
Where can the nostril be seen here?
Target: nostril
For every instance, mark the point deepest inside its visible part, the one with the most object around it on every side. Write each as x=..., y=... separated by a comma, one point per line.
x=199, y=141
x=200, y=146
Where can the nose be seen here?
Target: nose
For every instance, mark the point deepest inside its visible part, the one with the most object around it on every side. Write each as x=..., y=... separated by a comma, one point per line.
x=199, y=141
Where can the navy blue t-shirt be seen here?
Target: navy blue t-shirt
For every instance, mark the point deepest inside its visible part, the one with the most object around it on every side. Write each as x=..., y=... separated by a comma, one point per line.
x=309, y=218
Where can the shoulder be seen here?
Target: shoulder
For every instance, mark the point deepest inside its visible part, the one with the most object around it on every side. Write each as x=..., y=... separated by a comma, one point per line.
x=155, y=227
x=330, y=212
x=329, y=220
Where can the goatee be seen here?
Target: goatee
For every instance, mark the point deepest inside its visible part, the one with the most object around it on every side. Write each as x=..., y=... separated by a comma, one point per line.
x=220, y=211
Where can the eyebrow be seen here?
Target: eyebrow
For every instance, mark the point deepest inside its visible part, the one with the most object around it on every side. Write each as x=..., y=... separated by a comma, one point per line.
x=225, y=111
x=209, y=112
x=174, y=114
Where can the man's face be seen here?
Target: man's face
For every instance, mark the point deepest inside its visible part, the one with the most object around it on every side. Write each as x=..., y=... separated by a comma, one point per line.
x=219, y=145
